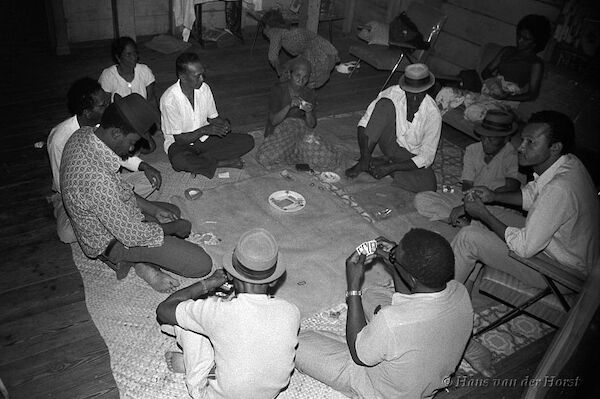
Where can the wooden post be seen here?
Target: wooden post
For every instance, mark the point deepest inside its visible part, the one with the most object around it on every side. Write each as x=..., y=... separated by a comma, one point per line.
x=126, y=18
x=59, y=27
x=309, y=15
x=349, y=16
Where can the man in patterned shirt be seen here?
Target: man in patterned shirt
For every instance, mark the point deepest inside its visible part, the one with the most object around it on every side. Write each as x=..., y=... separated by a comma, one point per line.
x=111, y=222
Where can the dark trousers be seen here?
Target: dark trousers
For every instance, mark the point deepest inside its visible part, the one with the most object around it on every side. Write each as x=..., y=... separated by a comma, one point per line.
x=175, y=255
x=202, y=157
x=382, y=130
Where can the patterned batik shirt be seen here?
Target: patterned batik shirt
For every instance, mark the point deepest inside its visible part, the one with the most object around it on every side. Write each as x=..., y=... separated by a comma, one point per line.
x=101, y=206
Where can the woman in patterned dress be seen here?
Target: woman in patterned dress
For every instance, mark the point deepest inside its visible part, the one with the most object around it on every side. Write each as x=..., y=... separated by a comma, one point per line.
x=298, y=41
x=289, y=133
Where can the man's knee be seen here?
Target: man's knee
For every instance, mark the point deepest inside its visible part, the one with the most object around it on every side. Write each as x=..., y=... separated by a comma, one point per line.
x=244, y=141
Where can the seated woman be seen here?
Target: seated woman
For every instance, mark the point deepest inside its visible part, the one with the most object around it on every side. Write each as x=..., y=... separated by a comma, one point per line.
x=289, y=134
x=514, y=75
x=298, y=41
x=127, y=75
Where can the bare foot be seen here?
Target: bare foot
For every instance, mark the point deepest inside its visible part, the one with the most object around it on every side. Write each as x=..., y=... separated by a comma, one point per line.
x=157, y=279
x=175, y=362
x=356, y=170
x=235, y=163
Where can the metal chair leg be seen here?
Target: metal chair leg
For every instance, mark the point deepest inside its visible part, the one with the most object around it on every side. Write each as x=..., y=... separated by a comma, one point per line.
x=393, y=71
x=516, y=311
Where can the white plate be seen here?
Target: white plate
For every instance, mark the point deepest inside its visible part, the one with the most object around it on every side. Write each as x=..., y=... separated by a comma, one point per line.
x=329, y=177
x=287, y=201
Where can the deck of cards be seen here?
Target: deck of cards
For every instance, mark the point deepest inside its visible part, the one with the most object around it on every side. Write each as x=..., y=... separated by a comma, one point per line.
x=367, y=248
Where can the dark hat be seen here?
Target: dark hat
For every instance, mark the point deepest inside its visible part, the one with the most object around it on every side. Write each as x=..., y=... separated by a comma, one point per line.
x=138, y=113
x=256, y=253
x=496, y=123
x=416, y=78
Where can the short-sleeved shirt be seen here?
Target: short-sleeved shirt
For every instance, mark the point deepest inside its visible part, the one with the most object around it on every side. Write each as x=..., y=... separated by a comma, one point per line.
x=505, y=164
x=419, y=137
x=101, y=205
x=562, y=218
x=414, y=344
x=58, y=137
x=112, y=82
x=178, y=116
x=254, y=338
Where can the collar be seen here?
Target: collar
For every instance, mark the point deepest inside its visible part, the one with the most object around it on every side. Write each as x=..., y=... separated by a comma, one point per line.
x=106, y=157
x=544, y=178
x=398, y=297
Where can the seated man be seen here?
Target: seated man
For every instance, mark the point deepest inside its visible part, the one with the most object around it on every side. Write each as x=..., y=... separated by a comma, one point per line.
x=406, y=123
x=562, y=219
x=197, y=140
x=491, y=163
x=414, y=343
x=87, y=101
x=250, y=340
x=110, y=221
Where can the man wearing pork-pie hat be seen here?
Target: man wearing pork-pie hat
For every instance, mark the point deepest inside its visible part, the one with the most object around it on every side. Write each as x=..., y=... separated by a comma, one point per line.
x=492, y=162
x=406, y=123
x=249, y=341
x=111, y=222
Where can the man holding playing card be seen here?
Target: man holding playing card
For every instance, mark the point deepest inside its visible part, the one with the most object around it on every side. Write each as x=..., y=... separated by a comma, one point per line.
x=373, y=362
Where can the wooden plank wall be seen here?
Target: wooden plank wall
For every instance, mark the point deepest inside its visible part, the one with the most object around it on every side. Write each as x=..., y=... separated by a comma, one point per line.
x=472, y=24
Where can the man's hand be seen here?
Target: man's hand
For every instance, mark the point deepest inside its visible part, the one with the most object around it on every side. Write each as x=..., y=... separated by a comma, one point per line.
x=483, y=193
x=456, y=214
x=179, y=228
x=355, y=269
x=219, y=128
x=152, y=174
x=476, y=208
x=217, y=279
x=164, y=215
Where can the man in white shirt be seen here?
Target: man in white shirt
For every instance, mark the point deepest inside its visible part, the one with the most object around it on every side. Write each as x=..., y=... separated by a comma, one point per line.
x=87, y=101
x=406, y=123
x=403, y=341
x=250, y=340
x=562, y=220
x=197, y=140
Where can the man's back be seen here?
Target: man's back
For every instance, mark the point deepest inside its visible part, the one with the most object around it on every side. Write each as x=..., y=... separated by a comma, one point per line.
x=254, y=339
x=417, y=342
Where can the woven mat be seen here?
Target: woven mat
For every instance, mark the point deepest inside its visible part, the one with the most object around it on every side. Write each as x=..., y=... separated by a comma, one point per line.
x=124, y=311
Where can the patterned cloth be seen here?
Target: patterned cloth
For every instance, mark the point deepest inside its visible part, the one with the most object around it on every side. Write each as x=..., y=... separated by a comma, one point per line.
x=293, y=142
x=100, y=204
x=298, y=41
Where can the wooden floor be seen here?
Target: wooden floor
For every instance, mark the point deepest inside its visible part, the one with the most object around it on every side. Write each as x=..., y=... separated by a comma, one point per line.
x=49, y=347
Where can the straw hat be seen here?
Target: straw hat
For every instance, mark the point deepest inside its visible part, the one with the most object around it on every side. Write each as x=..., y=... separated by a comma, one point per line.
x=496, y=123
x=416, y=78
x=256, y=254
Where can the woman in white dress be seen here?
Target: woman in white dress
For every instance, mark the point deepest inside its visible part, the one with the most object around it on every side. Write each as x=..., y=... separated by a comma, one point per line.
x=127, y=75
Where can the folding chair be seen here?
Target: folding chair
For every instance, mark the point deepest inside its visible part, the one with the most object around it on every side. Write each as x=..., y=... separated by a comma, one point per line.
x=536, y=303
x=429, y=21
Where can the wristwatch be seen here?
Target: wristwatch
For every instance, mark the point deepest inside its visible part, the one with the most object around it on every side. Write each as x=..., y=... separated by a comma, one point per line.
x=353, y=293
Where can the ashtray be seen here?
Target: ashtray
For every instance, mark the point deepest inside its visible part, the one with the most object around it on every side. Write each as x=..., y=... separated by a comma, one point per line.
x=193, y=193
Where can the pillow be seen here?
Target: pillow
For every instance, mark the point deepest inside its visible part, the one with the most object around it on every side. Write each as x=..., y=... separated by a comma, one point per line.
x=374, y=32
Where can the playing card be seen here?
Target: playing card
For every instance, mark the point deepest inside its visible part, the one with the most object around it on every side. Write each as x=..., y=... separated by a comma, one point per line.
x=367, y=248
x=372, y=246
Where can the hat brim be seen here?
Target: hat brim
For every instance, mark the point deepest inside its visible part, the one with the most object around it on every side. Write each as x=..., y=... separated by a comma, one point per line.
x=482, y=131
x=417, y=89
x=149, y=113
x=228, y=265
